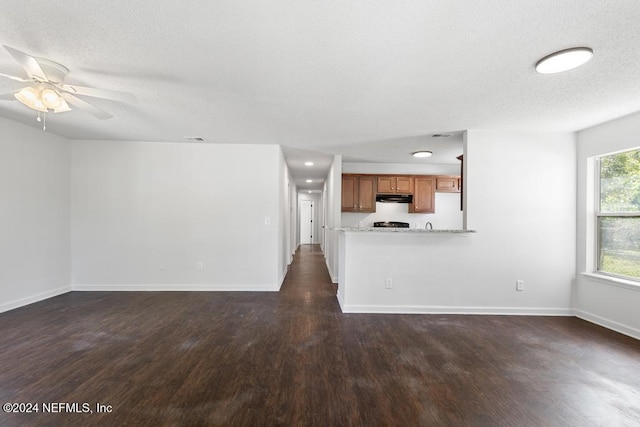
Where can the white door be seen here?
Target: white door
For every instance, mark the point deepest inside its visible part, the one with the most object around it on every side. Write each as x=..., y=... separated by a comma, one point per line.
x=306, y=222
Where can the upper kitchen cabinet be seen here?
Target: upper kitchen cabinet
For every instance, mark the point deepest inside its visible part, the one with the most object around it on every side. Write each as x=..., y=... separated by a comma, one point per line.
x=395, y=184
x=448, y=184
x=424, y=200
x=367, y=194
x=358, y=193
x=349, y=193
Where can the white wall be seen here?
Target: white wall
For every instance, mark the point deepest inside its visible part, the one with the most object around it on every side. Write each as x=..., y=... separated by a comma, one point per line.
x=332, y=209
x=520, y=193
x=430, y=273
x=145, y=214
x=293, y=220
x=520, y=197
x=603, y=302
x=323, y=223
x=284, y=224
x=34, y=216
x=402, y=168
x=447, y=215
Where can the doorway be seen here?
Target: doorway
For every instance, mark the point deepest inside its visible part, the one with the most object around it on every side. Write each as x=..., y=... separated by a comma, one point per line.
x=306, y=222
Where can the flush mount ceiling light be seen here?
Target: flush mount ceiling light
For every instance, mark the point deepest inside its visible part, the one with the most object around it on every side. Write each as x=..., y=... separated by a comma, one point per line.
x=309, y=180
x=422, y=154
x=564, y=60
x=308, y=163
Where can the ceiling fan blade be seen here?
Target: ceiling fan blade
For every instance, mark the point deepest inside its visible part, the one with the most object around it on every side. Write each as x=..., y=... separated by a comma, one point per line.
x=85, y=106
x=29, y=64
x=100, y=93
x=18, y=79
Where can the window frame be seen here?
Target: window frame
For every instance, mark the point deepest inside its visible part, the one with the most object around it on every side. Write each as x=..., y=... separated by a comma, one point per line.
x=629, y=280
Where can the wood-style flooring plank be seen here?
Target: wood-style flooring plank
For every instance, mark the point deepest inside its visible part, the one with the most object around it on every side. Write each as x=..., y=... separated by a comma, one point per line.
x=293, y=359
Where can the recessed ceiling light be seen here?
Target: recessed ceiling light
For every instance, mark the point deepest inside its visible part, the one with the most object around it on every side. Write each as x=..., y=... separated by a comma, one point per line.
x=194, y=138
x=308, y=163
x=564, y=60
x=309, y=180
x=422, y=154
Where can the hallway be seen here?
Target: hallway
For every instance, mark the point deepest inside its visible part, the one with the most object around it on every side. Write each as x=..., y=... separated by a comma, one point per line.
x=293, y=359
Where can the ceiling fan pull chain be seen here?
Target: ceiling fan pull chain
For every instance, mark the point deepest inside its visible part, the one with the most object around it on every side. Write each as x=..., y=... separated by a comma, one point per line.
x=44, y=123
x=38, y=119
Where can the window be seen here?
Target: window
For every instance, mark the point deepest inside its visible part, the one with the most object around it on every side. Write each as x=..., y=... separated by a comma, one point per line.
x=618, y=215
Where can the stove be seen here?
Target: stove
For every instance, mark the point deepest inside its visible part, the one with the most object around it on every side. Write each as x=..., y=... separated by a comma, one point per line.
x=391, y=224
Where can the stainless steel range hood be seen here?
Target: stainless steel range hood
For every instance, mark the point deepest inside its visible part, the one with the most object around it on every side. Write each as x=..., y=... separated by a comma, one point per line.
x=394, y=198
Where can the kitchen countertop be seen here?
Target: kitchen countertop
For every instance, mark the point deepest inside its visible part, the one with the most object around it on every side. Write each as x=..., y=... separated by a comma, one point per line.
x=402, y=230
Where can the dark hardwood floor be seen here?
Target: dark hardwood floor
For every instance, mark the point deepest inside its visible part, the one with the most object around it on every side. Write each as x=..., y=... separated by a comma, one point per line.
x=292, y=359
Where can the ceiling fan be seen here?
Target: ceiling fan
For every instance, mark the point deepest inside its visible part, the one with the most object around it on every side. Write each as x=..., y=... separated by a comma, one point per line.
x=47, y=92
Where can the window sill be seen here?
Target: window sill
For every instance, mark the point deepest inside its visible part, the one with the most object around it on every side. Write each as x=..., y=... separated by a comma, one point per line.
x=615, y=281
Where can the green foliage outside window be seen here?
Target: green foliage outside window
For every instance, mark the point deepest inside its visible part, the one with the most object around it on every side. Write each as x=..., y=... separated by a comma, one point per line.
x=620, y=182
x=618, y=224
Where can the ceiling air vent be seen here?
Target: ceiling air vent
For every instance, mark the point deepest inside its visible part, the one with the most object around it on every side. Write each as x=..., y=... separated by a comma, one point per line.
x=194, y=138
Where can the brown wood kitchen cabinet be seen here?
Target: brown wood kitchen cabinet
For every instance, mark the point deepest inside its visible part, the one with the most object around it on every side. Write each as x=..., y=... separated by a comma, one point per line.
x=424, y=195
x=358, y=193
x=448, y=184
x=395, y=184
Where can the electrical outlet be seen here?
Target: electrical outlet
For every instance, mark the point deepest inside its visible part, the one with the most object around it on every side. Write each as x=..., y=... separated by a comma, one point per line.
x=388, y=283
x=199, y=266
x=519, y=285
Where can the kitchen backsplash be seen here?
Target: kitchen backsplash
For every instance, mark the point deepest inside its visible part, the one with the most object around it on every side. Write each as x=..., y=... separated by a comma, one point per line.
x=448, y=214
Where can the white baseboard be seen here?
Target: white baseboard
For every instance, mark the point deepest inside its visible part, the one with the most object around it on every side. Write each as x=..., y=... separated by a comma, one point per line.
x=176, y=288
x=282, y=277
x=334, y=278
x=608, y=323
x=11, y=305
x=422, y=309
x=341, y=303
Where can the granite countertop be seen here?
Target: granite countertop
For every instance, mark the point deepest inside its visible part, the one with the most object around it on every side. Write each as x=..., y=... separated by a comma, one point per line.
x=403, y=230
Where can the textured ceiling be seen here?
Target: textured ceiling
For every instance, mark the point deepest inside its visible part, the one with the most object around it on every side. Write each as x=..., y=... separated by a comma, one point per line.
x=366, y=79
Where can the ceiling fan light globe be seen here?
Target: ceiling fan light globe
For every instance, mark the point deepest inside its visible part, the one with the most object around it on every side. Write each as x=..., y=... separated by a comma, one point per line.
x=50, y=99
x=29, y=93
x=63, y=108
x=26, y=96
